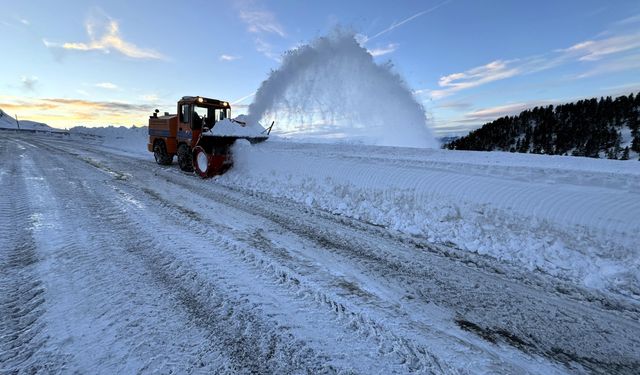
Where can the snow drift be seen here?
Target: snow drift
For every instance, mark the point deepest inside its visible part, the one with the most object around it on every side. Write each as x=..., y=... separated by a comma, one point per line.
x=331, y=88
x=573, y=218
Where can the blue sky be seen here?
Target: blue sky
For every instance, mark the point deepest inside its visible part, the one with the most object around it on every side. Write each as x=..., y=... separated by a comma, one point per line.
x=109, y=62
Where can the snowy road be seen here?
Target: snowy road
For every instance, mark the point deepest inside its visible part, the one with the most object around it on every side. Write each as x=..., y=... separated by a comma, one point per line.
x=113, y=264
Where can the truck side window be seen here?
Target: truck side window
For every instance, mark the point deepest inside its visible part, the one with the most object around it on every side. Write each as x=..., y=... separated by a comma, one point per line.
x=185, y=112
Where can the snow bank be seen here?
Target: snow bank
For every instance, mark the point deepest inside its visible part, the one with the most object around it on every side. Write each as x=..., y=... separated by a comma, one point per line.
x=575, y=218
x=8, y=122
x=238, y=127
x=133, y=139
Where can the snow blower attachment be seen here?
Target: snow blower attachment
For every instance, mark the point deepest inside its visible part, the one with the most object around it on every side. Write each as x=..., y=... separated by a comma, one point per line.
x=201, y=135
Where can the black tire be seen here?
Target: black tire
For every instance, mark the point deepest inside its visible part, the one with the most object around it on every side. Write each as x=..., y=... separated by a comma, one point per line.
x=185, y=159
x=160, y=153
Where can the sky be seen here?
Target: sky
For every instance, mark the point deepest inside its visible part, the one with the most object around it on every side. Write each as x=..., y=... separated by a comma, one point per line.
x=96, y=63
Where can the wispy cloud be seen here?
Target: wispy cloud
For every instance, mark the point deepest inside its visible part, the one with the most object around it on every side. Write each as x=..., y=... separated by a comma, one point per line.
x=106, y=85
x=263, y=24
x=492, y=113
x=395, y=25
x=23, y=21
x=624, y=63
x=493, y=71
x=104, y=36
x=29, y=83
x=225, y=57
x=607, y=49
x=380, y=51
x=240, y=100
x=151, y=98
x=628, y=21
x=261, y=21
x=591, y=50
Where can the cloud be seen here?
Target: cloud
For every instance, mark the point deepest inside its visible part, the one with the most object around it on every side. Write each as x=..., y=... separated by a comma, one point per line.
x=592, y=50
x=261, y=21
x=104, y=36
x=628, y=20
x=364, y=39
x=66, y=112
x=262, y=24
x=455, y=105
x=624, y=63
x=23, y=21
x=224, y=57
x=29, y=83
x=266, y=49
x=492, y=113
x=152, y=98
x=107, y=85
x=240, y=100
x=380, y=51
x=493, y=71
x=584, y=52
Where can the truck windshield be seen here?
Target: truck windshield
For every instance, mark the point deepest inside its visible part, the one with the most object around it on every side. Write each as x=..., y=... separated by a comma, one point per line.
x=210, y=115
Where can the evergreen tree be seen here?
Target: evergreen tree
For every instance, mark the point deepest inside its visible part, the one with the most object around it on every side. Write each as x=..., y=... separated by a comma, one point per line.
x=625, y=154
x=589, y=127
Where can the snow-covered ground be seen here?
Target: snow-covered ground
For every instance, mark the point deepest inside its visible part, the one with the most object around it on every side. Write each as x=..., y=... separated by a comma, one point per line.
x=570, y=217
x=308, y=259
x=8, y=122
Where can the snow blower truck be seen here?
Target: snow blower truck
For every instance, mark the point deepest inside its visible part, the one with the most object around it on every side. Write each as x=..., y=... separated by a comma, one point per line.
x=200, y=135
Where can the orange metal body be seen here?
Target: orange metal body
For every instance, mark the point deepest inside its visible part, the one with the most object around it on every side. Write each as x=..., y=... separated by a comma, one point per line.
x=166, y=129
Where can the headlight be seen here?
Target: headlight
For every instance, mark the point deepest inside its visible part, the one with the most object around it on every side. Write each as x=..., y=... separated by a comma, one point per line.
x=225, y=104
x=200, y=100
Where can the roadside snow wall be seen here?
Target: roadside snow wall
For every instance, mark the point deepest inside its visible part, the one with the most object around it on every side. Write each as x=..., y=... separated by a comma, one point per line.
x=575, y=218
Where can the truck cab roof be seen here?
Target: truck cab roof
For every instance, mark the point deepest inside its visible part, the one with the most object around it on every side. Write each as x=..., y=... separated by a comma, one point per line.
x=204, y=101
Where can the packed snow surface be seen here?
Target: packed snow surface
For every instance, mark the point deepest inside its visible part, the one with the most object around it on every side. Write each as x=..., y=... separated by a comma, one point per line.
x=332, y=89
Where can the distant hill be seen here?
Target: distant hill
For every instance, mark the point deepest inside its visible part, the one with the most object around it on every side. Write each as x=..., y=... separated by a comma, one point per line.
x=594, y=128
x=8, y=122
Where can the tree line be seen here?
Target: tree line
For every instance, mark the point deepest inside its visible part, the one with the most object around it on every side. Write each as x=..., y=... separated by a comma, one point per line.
x=590, y=127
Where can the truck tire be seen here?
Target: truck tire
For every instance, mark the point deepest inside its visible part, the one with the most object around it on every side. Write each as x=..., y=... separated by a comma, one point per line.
x=185, y=159
x=160, y=153
x=202, y=162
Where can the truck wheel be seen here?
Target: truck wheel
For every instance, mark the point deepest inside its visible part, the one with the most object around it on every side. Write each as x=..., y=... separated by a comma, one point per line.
x=202, y=162
x=160, y=153
x=185, y=160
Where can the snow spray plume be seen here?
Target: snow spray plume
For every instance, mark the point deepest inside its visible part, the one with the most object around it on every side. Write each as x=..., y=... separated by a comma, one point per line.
x=332, y=88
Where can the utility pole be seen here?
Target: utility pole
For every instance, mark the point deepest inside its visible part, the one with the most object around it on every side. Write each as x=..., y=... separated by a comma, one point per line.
x=17, y=122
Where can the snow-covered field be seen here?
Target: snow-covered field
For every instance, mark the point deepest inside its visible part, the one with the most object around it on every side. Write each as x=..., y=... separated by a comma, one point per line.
x=574, y=218
x=308, y=258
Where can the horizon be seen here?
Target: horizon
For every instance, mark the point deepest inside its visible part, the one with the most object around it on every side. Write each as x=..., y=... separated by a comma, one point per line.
x=110, y=64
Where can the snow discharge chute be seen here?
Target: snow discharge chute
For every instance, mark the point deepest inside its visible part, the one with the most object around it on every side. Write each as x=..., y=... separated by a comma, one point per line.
x=331, y=88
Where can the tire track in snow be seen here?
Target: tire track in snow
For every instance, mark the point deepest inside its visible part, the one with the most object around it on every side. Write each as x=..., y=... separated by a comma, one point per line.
x=414, y=356
x=252, y=345
x=401, y=268
x=102, y=310
x=21, y=290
